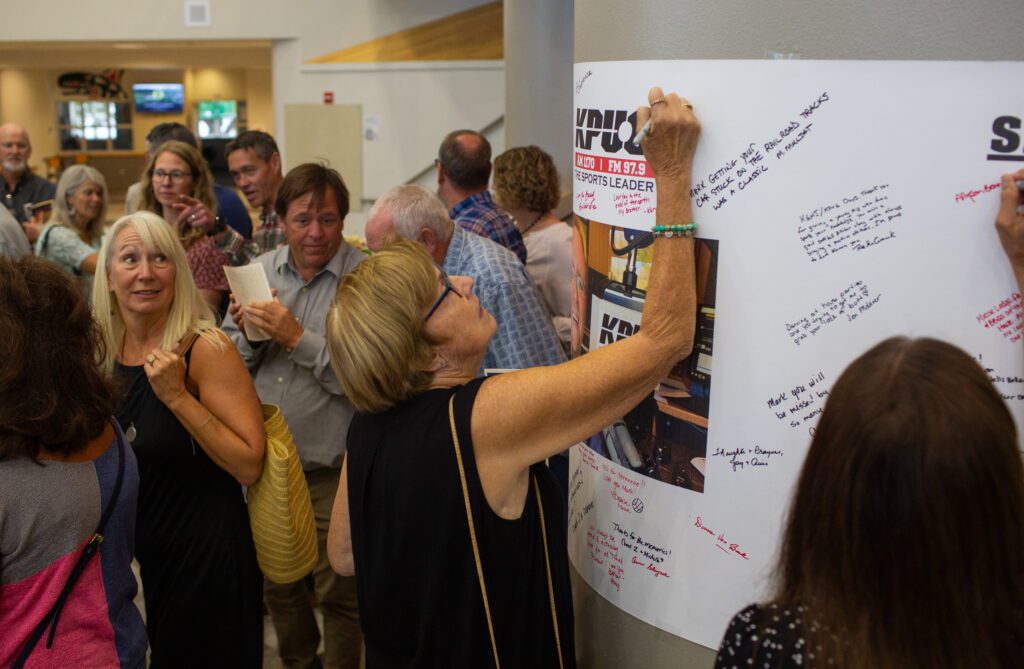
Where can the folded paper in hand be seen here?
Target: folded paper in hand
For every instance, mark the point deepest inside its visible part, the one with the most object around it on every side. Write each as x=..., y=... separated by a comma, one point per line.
x=249, y=284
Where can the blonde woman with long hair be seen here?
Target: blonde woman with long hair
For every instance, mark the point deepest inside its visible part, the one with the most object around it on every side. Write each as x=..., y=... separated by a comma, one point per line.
x=191, y=413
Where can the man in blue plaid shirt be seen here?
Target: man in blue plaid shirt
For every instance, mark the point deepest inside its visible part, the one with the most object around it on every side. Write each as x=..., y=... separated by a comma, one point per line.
x=463, y=171
x=525, y=337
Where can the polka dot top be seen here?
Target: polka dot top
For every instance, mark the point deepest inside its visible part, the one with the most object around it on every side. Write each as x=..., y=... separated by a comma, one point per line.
x=769, y=637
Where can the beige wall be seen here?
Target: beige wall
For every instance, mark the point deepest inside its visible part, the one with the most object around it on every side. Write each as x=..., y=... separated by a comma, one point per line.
x=259, y=95
x=27, y=97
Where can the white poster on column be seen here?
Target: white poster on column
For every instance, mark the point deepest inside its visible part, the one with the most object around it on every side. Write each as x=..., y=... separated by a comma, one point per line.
x=838, y=204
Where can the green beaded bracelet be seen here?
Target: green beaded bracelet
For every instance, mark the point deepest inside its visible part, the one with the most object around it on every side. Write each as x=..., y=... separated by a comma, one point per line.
x=688, y=230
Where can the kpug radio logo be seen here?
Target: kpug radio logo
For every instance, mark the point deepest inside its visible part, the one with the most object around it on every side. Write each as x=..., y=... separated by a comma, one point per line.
x=613, y=329
x=1007, y=144
x=615, y=127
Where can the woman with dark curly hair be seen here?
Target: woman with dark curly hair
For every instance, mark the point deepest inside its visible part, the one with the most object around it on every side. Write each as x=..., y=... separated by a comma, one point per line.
x=526, y=185
x=64, y=465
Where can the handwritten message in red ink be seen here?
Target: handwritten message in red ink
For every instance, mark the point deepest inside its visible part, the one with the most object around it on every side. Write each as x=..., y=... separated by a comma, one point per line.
x=722, y=542
x=1005, y=318
x=586, y=201
x=975, y=192
x=604, y=552
x=629, y=203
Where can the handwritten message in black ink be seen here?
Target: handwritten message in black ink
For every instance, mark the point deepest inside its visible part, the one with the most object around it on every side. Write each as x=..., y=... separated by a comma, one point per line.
x=755, y=458
x=800, y=403
x=1010, y=386
x=737, y=174
x=847, y=306
x=856, y=222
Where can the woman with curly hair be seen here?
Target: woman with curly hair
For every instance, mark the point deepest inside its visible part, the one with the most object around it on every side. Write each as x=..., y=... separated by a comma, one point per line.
x=526, y=185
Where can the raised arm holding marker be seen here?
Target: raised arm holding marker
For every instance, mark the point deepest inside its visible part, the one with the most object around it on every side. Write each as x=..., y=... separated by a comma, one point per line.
x=646, y=130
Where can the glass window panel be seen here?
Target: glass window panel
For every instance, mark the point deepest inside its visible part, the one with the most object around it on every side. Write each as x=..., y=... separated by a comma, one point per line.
x=102, y=133
x=68, y=140
x=90, y=133
x=123, y=141
x=96, y=145
x=75, y=112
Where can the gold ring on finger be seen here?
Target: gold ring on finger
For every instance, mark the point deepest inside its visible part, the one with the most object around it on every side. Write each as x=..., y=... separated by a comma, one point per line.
x=688, y=106
x=657, y=102
x=151, y=359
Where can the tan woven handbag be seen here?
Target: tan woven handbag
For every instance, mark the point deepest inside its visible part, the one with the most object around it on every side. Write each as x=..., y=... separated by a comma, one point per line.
x=280, y=511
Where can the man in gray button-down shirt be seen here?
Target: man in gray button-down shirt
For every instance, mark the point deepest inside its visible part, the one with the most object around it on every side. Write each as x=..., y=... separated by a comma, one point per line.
x=293, y=370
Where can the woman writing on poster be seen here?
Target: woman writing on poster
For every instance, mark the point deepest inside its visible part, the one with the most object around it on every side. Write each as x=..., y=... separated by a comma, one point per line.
x=439, y=458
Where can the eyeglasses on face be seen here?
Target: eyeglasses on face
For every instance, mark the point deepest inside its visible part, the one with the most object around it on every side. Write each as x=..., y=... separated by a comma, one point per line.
x=448, y=288
x=176, y=176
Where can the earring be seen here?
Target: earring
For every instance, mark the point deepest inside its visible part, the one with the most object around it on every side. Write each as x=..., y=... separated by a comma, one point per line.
x=443, y=363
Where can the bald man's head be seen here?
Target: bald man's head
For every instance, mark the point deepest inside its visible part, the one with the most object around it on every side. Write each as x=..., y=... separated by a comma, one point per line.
x=465, y=157
x=15, y=148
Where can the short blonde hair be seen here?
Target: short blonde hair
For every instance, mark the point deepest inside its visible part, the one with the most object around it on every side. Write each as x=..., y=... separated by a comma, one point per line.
x=189, y=311
x=526, y=177
x=375, y=333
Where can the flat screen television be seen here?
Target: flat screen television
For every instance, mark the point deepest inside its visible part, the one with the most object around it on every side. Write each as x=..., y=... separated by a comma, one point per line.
x=218, y=119
x=159, y=98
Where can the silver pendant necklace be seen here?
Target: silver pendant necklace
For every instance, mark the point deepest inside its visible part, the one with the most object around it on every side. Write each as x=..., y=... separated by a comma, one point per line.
x=130, y=433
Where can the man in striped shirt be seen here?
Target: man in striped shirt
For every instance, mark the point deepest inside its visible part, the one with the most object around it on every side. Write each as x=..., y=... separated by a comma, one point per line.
x=463, y=170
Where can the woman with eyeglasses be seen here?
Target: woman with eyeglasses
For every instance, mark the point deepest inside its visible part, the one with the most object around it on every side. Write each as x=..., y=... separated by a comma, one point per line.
x=445, y=513
x=72, y=236
x=179, y=188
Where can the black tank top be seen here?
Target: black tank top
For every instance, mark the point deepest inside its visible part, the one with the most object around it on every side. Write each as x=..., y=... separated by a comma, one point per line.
x=419, y=594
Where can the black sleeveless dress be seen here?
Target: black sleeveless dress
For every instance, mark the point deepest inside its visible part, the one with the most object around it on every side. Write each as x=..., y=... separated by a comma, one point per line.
x=419, y=595
x=202, y=586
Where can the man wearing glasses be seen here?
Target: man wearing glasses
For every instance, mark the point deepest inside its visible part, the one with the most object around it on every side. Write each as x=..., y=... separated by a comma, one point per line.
x=293, y=371
x=525, y=337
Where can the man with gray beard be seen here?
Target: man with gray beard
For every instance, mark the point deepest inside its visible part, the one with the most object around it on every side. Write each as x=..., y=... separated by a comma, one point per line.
x=19, y=186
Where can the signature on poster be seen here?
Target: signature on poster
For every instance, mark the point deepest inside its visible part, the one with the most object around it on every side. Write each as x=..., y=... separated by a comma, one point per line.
x=722, y=542
x=973, y=193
